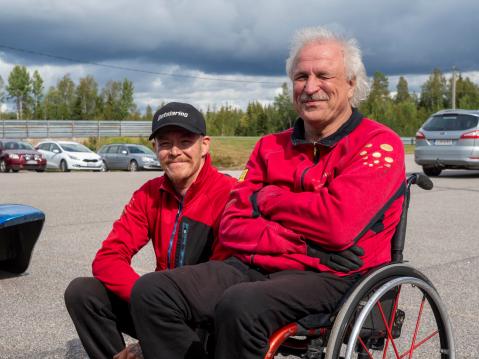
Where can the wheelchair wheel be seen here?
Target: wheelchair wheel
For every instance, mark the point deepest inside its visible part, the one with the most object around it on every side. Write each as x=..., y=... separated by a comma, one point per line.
x=393, y=313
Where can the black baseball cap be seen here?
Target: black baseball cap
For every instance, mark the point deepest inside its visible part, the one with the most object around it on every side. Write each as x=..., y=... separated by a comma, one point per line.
x=178, y=114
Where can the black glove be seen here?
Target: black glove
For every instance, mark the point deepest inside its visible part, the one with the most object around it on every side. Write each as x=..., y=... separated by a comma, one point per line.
x=344, y=261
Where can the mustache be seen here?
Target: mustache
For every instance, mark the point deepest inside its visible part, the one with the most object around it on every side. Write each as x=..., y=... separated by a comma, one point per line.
x=317, y=96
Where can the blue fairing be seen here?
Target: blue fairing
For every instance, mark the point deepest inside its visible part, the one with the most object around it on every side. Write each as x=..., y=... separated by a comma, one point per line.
x=13, y=214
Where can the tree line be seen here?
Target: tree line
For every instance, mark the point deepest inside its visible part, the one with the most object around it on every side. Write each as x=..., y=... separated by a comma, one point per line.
x=403, y=111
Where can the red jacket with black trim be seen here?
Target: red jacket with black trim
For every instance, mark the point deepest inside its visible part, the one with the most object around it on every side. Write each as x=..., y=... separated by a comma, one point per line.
x=332, y=193
x=182, y=230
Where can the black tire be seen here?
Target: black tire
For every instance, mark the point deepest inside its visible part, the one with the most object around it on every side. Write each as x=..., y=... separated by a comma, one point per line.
x=15, y=170
x=3, y=167
x=357, y=315
x=40, y=170
x=64, y=166
x=104, y=167
x=432, y=171
x=133, y=166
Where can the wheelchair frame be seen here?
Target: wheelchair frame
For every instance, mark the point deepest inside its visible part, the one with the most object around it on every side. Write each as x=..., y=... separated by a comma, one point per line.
x=369, y=320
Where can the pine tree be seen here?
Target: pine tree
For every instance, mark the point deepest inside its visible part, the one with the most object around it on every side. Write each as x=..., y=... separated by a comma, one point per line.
x=433, y=92
x=19, y=87
x=402, y=90
x=2, y=95
x=37, y=92
x=86, y=100
x=283, y=106
x=66, y=94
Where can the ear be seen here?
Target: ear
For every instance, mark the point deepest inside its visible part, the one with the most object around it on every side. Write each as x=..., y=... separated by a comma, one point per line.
x=205, y=145
x=352, y=86
x=155, y=146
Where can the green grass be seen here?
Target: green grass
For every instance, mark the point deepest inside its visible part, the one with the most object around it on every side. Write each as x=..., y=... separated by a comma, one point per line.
x=231, y=152
x=227, y=152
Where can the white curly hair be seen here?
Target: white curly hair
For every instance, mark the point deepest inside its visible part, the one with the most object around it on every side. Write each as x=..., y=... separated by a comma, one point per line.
x=352, y=57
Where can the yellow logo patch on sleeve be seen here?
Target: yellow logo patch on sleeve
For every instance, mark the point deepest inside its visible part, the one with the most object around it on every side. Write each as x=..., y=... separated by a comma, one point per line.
x=243, y=175
x=373, y=156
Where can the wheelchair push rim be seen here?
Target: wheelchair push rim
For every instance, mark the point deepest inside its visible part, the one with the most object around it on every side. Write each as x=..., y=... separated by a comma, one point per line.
x=350, y=335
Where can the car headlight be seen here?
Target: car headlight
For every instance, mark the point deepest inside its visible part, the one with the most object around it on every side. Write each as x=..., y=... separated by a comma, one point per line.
x=147, y=159
x=14, y=156
x=73, y=157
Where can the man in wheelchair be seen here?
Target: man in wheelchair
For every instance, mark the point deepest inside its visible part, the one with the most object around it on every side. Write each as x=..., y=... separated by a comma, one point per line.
x=310, y=202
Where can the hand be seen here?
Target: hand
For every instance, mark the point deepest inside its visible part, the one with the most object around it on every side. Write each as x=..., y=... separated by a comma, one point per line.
x=132, y=351
x=344, y=261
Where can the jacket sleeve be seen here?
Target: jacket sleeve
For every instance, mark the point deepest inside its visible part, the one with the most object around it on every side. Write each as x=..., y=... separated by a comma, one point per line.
x=112, y=263
x=241, y=230
x=335, y=215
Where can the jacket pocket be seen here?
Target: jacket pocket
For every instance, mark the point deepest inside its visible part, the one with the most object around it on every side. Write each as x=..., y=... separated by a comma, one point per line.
x=195, y=240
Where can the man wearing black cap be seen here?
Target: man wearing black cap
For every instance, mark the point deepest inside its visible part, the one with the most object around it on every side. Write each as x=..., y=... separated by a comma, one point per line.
x=179, y=212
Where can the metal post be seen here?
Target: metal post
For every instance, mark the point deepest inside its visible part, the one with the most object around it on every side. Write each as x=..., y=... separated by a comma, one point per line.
x=453, y=100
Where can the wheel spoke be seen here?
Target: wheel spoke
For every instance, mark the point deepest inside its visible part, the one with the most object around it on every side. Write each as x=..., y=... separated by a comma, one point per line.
x=418, y=321
x=396, y=301
x=365, y=347
x=388, y=330
x=430, y=336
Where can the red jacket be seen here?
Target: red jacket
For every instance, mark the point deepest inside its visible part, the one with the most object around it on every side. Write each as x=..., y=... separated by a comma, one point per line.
x=333, y=193
x=182, y=230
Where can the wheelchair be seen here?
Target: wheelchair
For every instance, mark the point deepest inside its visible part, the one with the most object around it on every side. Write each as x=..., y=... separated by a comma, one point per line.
x=393, y=311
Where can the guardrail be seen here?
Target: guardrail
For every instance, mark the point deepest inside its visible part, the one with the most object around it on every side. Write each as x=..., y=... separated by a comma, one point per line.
x=22, y=129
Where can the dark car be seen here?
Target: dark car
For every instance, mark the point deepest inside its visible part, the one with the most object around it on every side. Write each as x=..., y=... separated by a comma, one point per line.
x=128, y=157
x=19, y=155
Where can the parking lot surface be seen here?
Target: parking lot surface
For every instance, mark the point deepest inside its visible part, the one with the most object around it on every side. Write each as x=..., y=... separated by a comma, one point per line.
x=80, y=208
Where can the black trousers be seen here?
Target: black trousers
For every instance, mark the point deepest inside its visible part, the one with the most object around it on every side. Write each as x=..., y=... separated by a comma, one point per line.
x=99, y=316
x=245, y=306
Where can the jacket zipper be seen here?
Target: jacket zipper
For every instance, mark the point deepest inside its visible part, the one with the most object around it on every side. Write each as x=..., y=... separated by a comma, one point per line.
x=172, y=237
x=184, y=238
x=315, y=161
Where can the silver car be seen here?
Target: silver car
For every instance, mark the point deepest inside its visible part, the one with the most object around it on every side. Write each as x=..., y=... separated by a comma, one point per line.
x=128, y=157
x=448, y=139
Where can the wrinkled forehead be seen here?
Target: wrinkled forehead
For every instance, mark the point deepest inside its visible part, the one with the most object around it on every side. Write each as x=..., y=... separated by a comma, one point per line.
x=324, y=52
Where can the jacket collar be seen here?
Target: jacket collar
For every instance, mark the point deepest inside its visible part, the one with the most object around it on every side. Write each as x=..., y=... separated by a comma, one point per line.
x=203, y=175
x=298, y=136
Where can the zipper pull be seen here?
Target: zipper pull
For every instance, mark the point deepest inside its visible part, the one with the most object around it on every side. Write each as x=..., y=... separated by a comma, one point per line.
x=315, y=152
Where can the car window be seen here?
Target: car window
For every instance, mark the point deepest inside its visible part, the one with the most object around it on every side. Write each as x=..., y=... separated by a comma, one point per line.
x=54, y=146
x=12, y=145
x=140, y=149
x=25, y=146
x=44, y=146
x=74, y=147
x=112, y=149
x=122, y=148
x=451, y=122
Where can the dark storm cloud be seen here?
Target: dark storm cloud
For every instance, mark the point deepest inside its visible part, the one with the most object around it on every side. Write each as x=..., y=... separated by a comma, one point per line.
x=241, y=37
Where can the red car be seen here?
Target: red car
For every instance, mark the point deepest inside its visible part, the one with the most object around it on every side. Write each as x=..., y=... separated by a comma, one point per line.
x=18, y=155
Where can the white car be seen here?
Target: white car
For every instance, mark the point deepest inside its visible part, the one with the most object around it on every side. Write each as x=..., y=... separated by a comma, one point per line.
x=68, y=155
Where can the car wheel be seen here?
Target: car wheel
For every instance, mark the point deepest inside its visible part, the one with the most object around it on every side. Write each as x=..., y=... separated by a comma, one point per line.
x=104, y=167
x=3, y=167
x=133, y=166
x=64, y=166
x=40, y=170
x=15, y=170
x=432, y=171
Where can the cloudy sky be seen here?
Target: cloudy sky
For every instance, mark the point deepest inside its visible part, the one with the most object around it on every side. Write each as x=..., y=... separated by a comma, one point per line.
x=213, y=52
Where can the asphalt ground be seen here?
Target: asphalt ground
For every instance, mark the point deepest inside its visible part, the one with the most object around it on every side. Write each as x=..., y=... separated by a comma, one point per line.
x=80, y=208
